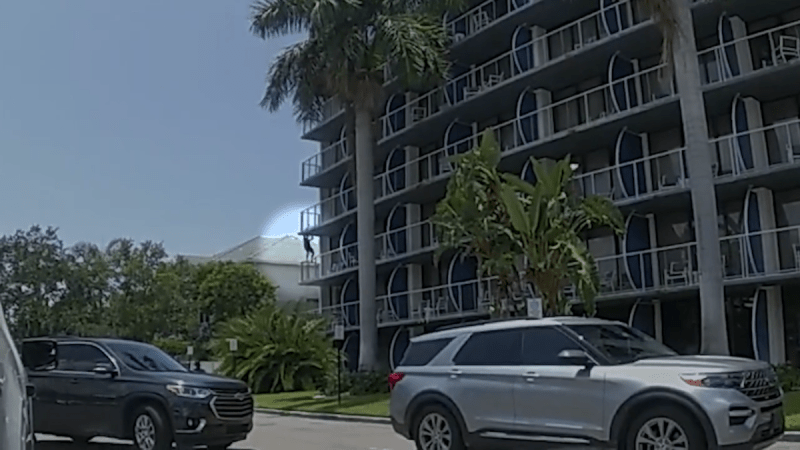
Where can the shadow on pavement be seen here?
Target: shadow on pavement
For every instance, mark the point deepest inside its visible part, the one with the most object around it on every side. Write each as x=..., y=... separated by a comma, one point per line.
x=67, y=445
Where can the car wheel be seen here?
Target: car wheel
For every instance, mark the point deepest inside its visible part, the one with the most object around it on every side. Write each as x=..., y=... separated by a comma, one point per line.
x=665, y=428
x=437, y=429
x=81, y=440
x=150, y=429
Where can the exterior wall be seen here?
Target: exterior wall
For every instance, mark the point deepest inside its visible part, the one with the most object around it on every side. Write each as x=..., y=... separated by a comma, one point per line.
x=286, y=279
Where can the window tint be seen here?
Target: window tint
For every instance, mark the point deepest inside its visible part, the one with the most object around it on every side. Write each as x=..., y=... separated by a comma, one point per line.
x=80, y=357
x=541, y=346
x=421, y=353
x=491, y=348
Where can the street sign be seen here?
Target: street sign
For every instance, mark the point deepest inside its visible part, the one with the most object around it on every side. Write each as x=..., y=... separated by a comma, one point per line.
x=338, y=332
x=189, y=350
x=535, y=307
x=233, y=344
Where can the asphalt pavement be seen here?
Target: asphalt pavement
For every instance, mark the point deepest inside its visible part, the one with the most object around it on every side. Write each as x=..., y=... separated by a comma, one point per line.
x=296, y=433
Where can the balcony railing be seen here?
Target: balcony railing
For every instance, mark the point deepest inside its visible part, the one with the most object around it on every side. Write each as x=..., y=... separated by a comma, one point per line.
x=330, y=263
x=653, y=174
x=741, y=154
x=480, y=17
x=554, y=45
x=737, y=57
x=593, y=105
x=761, y=253
x=405, y=240
x=330, y=109
x=325, y=159
x=328, y=209
x=435, y=303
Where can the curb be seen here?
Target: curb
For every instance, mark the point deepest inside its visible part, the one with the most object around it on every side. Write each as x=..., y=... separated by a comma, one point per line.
x=328, y=416
x=791, y=436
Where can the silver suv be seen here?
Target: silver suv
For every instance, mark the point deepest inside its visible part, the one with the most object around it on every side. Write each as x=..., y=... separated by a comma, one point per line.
x=574, y=381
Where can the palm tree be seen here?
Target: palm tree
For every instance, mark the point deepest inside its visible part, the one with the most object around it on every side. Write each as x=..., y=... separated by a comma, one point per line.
x=674, y=18
x=499, y=218
x=348, y=45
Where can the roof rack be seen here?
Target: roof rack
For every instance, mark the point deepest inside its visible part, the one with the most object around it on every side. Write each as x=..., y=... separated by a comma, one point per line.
x=482, y=322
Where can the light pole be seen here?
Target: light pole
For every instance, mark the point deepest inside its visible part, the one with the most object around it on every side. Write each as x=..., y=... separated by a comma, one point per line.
x=338, y=338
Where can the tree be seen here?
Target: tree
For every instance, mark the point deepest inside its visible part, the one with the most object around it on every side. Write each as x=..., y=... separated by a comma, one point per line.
x=674, y=18
x=522, y=233
x=279, y=349
x=226, y=290
x=83, y=309
x=349, y=44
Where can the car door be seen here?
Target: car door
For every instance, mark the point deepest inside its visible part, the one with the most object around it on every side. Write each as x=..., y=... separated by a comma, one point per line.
x=481, y=379
x=39, y=366
x=552, y=397
x=88, y=401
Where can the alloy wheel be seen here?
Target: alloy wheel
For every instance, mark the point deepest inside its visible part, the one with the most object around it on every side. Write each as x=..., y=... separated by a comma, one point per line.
x=435, y=433
x=661, y=433
x=145, y=432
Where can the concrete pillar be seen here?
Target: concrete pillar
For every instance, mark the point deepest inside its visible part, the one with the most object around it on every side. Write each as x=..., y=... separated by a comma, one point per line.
x=777, y=342
x=545, y=117
x=412, y=170
x=758, y=141
x=541, y=51
x=769, y=240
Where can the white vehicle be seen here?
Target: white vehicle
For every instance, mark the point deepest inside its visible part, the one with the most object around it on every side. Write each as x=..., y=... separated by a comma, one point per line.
x=16, y=420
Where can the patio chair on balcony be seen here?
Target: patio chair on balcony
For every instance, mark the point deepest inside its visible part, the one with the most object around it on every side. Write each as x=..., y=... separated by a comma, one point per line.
x=492, y=80
x=471, y=91
x=672, y=180
x=480, y=20
x=677, y=273
x=788, y=49
x=418, y=113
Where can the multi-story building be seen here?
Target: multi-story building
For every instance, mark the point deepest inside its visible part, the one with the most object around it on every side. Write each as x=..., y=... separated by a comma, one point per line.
x=583, y=77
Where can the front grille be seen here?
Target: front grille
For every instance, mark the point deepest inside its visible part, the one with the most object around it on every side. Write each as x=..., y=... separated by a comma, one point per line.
x=231, y=404
x=760, y=385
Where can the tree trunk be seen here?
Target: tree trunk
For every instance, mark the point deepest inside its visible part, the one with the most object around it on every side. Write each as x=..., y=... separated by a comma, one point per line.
x=368, y=351
x=714, y=335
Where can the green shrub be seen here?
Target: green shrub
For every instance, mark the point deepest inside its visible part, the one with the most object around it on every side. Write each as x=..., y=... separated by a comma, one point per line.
x=365, y=383
x=329, y=384
x=788, y=376
x=172, y=345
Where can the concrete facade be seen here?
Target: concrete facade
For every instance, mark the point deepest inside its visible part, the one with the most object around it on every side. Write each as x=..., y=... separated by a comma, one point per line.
x=585, y=79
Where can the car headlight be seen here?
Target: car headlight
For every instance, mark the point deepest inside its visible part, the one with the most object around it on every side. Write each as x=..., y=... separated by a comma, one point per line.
x=188, y=392
x=713, y=380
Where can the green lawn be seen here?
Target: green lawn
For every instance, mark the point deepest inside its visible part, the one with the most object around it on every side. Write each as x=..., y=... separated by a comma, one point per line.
x=791, y=405
x=376, y=405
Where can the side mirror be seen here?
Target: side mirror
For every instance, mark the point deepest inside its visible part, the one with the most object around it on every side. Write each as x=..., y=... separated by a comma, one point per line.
x=39, y=355
x=105, y=369
x=575, y=358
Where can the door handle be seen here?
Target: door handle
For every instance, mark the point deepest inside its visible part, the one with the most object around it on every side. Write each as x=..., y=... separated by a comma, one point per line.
x=454, y=373
x=530, y=377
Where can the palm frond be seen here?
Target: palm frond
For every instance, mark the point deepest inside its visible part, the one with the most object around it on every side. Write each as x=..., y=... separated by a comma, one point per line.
x=416, y=46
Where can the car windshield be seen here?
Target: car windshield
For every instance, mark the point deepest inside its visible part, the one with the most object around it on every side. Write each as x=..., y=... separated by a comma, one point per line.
x=621, y=344
x=145, y=357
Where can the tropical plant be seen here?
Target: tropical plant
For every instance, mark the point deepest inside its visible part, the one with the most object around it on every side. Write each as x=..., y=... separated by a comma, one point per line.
x=524, y=234
x=349, y=45
x=278, y=349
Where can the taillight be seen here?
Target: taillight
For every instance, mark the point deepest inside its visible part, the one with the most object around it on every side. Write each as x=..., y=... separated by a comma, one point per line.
x=394, y=379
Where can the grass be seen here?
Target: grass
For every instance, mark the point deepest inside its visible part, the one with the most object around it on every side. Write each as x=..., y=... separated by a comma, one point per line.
x=375, y=405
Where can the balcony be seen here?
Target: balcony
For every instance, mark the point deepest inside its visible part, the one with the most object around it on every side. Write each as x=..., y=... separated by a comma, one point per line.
x=764, y=152
x=765, y=256
x=450, y=301
x=339, y=262
x=550, y=56
x=319, y=168
x=406, y=242
x=329, y=125
x=321, y=218
x=759, y=64
x=581, y=120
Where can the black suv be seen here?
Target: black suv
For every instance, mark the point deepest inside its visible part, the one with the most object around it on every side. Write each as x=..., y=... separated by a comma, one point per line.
x=131, y=390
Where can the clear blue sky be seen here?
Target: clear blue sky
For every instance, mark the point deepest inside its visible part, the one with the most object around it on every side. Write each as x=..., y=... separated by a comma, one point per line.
x=141, y=120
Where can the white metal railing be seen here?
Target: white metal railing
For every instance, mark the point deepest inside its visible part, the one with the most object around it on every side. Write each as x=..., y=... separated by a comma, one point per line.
x=771, y=146
x=660, y=268
x=437, y=302
x=657, y=173
x=480, y=17
x=403, y=240
x=328, y=209
x=737, y=57
x=325, y=159
x=761, y=253
x=506, y=66
x=329, y=263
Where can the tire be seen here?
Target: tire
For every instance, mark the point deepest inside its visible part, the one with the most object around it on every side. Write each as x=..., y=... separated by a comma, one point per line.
x=684, y=431
x=150, y=429
x=435, y=418
x=80, y=440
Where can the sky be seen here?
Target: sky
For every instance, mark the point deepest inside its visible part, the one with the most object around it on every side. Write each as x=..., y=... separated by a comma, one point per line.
x=141, y=120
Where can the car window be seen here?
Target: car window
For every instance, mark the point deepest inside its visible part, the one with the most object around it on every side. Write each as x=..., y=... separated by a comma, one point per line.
x=80, y=357
x=145, y=357
x=491, y=348
x=541, y=346
x=421, y=353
